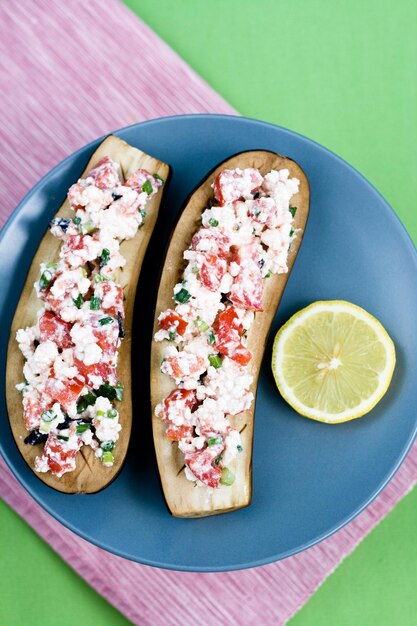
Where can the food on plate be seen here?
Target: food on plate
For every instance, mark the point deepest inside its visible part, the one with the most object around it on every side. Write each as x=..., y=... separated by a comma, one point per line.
x=225, y=271
x=333, y=361
x=68, y=369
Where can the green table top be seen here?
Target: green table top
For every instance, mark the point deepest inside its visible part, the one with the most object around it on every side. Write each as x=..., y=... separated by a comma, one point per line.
x=343, y=74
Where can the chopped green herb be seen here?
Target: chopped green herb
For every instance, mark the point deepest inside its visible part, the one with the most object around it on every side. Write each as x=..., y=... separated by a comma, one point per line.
x=211, y=338
x=48, y=416
x=292, y=231
x=112, y=413
x=158, y=177
x=100, y=278
x=143, y=213
x=85, y=401
x=215, y=361
x=52, y=266
x=100, y=413
x=95, y=303
x=217, y=459
x=293, y=210
x=172, y=333
x=77, y=220
x=182, y=296
x=227, y=478
x=213, y=441
x=78, y=301
x=104, y=258
x=119, y=391
x=256, y=212
x=45, y=279
x=105, y=320
x=107, y=446
x=201, y=324
x=81, y=428
x=107, y=457
x=112, y=393
x=239, y=448
x=62, y=437
x=147, y=186
x=213, y=222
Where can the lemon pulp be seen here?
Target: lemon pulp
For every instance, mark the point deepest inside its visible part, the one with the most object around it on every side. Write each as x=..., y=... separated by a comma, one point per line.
x=333, y=361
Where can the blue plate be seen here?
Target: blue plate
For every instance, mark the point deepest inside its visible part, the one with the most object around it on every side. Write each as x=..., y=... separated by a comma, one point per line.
x=309, y=479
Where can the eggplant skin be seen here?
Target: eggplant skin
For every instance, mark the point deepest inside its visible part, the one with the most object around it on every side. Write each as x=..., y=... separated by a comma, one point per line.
x=89, y=476
x=183, y=498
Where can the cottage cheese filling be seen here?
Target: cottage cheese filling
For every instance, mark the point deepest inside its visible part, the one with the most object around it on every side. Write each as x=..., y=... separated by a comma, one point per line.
x=243, y=239
x=71, y=382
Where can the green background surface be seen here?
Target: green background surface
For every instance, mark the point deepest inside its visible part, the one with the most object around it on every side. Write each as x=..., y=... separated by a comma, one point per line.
x=345, y=75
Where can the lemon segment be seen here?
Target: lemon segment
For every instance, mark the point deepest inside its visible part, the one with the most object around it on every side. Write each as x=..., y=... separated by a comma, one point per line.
x=333, y=361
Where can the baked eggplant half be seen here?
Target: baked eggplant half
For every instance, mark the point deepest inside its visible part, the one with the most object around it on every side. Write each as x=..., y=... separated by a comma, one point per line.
x=227, y=264
x=68, y=380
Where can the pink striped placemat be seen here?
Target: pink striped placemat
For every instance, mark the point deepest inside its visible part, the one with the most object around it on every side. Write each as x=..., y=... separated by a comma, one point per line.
x=70, y=72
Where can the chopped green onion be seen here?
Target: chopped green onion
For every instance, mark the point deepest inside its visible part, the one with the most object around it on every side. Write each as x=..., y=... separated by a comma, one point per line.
x=119, y=391
x=211, y=338
x=48, y=416
x=62, y=437
x=107, y=446
x=239, y=448
x=100, y=413
x=112, y=413
x=172, y=333
x=217, y=459
x=78, y=301
x=293, y=210
x=292, y=231
x=107, y=457
x=95, y=303
x=182, y=296
x=104, y=257
x=213, y=222
x=81, y=428
x=158, y=177
x=21, y=386
x=227, y=478
x=45, y=279
x=100, y=278
x=88, y=227
x=213, y=441
x=195, y=270
x=147, y=186
x=105, y=320
x=201, y=324
x=84, y=272
x=268, y=274
x=85, y=401
x=143, y=213
x=215, y=361
x=77, y=220
x=52, y=266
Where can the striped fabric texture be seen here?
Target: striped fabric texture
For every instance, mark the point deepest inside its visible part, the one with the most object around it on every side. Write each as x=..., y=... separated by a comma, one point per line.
x=70, y=72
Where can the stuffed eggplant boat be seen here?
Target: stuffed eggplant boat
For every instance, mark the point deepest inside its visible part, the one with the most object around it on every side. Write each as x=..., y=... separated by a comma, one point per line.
x=68, y=364
x=224, y=274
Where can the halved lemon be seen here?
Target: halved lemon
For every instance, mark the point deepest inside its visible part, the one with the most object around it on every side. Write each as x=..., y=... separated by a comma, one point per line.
x=333, y=361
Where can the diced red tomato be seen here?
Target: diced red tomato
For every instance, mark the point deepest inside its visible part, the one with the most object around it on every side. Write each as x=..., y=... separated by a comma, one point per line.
x=228, y=337
x=111, y=297
x=202, y=465
x=176, y=433
x=59, y=457
x=32, y=410
x=178, y=405
x=170, y=318
x=54, y=328
x=139, y=178
x=78, y=249
x=103, y=370
x=105, y=174
x=232, y=185
x=212, y=271
x=247, y=290
x=211, y=241
x=64, y=391
x=184, y=365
